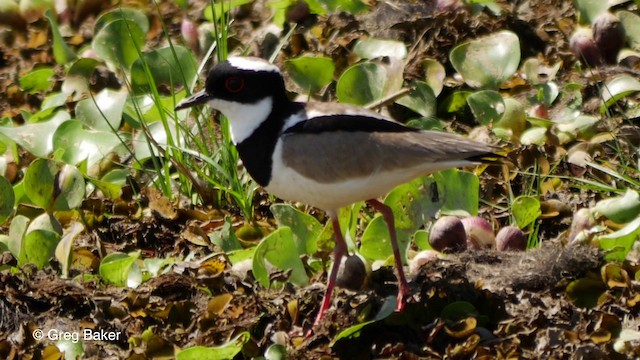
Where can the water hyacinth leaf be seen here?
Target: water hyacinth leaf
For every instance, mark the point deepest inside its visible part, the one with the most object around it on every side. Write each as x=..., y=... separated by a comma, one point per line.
x=7, y=199
x=376, y=241
x=226, y=238
x=588, y=10
x=311, y=73
x=361, y=83
x=39, y=182
x=421, y=100
x=17, y=229
x=76, y=83
x=617, y=244
x=134, y=15
x=619, y=209
x=276, y=352
x=174, y=67
x=116, y=267
x=631, y=24
x=534, y=136
x=372, y=48
x=221, y=8
x=61, y=52
x=70, y=348
x=279, y=250
x=305, y=227
x=459, y=192
x=488, y=61
x=414, y=203
x=455, y=103
x=36, y=138
x=487, y=106
x=37, y=81
x=525, y=210
x=118, y=43
x=581, y=127
x=47, y=222
x=434, y=74
x=74, y=143
x=225, y=351
x=513, y=119
x=617, y=88
x=103, y=111
x=64, y=248
x=38, y=246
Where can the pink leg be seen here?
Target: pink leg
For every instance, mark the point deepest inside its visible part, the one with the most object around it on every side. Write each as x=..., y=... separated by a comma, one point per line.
x=338, y=251
x=387, y=214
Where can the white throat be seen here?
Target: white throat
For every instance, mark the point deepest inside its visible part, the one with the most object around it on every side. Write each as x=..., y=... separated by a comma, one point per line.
x=244, y=119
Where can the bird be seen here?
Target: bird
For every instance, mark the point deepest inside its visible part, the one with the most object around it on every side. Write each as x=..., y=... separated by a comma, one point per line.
x=326, y=155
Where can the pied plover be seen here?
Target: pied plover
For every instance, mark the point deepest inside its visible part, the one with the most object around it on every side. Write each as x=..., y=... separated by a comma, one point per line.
x=326, y=155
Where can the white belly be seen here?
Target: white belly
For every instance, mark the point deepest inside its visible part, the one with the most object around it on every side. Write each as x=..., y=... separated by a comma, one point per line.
x=290, y=185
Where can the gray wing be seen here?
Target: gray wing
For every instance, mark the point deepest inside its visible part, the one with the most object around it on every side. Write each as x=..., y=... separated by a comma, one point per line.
x=332, y=156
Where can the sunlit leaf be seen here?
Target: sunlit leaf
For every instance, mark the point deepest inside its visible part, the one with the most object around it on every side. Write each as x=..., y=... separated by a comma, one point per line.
x=618, y=88
x=305, y=227
x=118, y=43
x=115, y=268
x=103, y=111
x=309, y=72
x=279, y=250
x=361, y=83
x=172, y=66
x=371, y=48
x=225, y=351
x=7, y=199
x=487, y=106
x=488, y=61
x=37, y=81
x=61, y=52
x=526, y=210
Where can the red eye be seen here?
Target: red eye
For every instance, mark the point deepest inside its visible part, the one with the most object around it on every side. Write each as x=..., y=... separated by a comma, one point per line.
x=234, y=84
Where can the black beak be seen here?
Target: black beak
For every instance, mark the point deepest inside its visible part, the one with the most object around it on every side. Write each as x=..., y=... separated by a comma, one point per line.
x=198, y=98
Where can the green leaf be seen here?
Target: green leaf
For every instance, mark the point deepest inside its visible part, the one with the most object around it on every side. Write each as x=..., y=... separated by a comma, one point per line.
x=226, y=237
x=458, y=192
x=73, y=144
x=305, y=227
x=115, y=268
x=514, y=118
x=17, y=229
x=372, y=48
x=421, y=100
x=53, y=185
x=65, y=247
x=172, y=66
x=361, y=83
x=310, y=72
x=222, y=8
x=279, y=249
x=71, y=349
x=354, y=331
x=118, y=43
x=434, y=74
x=618, y=88
x=617, y=244
x=36, y=138
x=631, y=24
x=121, y=13
x=76, y=82
x=619, y=209
x=61, y=52
x=534, y=136
x=103, y=111
x=488, y=61
x=414, y=203
x=222, y=352
x=487, y=106
x=526, y=210
x=38, y=246
x=588, y=10
x=7, y=199
x=376, y=241
x=37, y=81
